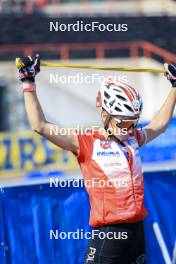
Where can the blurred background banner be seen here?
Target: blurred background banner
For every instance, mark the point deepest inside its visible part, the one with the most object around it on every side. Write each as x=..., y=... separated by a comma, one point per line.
x=27, y=155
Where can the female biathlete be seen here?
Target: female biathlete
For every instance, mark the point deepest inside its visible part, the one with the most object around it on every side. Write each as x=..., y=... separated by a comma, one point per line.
x=117, y=206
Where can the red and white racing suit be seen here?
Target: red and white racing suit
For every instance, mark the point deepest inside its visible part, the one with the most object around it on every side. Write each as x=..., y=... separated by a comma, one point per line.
x=115, y=188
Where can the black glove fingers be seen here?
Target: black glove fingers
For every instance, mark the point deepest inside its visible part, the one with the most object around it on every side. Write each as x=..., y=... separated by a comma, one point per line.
x=172, y=69
x=37, y=62
x=27, y=61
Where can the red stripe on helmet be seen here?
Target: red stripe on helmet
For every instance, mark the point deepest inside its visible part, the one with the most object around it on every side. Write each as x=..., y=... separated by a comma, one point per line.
x=127, y=92
x=133, y=91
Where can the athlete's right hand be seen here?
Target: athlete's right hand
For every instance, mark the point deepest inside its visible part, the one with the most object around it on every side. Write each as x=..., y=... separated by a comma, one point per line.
x=171, y=73
x=29, y=67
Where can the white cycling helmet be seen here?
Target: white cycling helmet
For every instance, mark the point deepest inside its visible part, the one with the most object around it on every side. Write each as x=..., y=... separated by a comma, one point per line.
x=119, y=99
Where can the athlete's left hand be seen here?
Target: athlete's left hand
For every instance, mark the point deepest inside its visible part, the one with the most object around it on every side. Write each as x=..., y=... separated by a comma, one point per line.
x=171, y=73
x=30, y=67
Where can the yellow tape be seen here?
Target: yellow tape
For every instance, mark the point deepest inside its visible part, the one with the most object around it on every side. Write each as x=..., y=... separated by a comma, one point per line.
x=19, y=64
x=107, y=68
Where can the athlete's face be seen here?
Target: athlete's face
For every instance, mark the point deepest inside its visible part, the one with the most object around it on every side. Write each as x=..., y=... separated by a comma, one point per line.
x=120, y=127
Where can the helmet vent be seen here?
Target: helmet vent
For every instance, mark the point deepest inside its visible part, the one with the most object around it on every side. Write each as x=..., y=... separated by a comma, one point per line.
x=121, y=98
x=106, y=95
x=128, y=107
x=117, y=109
x=108, y=85
x=105, y=102
x=117, y=90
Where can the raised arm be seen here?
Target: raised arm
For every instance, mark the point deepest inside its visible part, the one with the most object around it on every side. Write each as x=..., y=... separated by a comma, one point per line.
x=34, y=110
x=161, y=120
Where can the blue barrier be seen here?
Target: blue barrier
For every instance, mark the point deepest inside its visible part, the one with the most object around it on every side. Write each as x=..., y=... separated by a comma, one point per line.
x=30, y=217
x=162, y=149
x=160, y=227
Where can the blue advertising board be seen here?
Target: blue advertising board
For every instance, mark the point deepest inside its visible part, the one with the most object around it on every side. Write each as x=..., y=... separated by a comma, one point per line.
x=29, y=213
x=163, y=148
x=160, y=225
